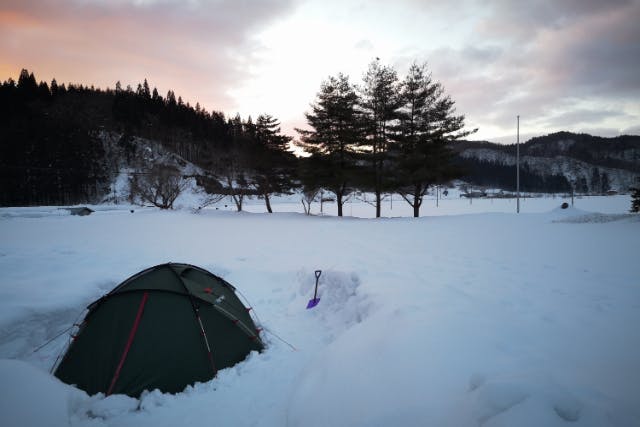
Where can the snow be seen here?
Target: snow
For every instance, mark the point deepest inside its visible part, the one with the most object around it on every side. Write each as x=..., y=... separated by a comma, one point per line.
x=471, y=315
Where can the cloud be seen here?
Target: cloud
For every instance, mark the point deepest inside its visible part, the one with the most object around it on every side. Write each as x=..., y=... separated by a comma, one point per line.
x=550, y=62
x=197, y=48
x=632, y=130
x=557, y=64
x=584, y=116
x=364, y=44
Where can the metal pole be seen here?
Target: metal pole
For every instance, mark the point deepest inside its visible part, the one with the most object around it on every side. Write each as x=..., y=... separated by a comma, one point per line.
x=518, y=167
x=573, y=185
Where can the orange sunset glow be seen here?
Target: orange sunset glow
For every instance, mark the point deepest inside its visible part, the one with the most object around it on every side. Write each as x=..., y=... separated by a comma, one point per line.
x=571, y=66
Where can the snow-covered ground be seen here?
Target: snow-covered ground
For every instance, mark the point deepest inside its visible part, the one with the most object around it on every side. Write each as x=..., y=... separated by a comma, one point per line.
x=472, y=315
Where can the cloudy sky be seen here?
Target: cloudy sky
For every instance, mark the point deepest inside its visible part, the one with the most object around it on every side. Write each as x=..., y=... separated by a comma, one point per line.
x=559, y=64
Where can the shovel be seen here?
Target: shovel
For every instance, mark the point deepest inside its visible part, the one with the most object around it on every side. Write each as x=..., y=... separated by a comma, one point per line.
x=313, y=302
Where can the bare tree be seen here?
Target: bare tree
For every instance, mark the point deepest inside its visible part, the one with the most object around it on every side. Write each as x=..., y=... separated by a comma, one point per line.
x=309, y=196
x=161, y=185
x=237, y=186
x=215, y=191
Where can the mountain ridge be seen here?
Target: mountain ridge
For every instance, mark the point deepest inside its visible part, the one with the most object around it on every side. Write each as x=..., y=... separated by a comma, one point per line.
x=590, y=164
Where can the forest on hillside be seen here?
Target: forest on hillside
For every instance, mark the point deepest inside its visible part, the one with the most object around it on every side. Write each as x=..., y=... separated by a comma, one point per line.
x=51, y=150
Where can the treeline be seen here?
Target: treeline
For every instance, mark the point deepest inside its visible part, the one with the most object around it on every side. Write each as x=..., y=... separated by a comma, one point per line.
x=493, y=174
x=588, y=148
x=386, y=135
x=490, y=174
x=51, y=151
x=620, y=152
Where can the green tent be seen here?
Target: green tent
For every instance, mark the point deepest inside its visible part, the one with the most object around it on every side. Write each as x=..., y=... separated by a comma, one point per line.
x=163, y=328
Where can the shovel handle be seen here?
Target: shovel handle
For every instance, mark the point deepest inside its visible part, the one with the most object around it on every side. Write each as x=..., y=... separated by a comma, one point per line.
x=315, y=293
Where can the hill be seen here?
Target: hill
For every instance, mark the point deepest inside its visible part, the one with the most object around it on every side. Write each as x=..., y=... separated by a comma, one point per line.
x=555, y=162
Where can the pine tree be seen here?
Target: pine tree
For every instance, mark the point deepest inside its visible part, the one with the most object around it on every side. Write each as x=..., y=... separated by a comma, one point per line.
x=596, y=184
x=427, y=123
x=335, y=134
x=272, y=162
x=27, y=85
x=54, y=88
x=635, y=197
x=604, y=183
x=145, y=90
x=380, y=101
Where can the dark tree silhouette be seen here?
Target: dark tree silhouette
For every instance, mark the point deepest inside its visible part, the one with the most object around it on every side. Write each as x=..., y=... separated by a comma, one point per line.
x=380, y=102
x=635, y=197
x=333, y=140
x=427, y=124
x=273, y=164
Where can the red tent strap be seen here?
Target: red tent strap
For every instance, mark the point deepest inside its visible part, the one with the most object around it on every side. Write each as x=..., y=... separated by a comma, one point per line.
x=132, y=334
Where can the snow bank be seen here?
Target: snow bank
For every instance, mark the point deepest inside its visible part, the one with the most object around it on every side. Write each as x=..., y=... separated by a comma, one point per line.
x=30, y=397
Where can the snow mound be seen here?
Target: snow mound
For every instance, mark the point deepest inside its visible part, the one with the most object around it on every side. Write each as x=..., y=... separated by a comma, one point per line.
x=567, y=212
x=530, y=399
x=38, y=336
x=33, y=212
x=30, y=397
x=599, y=218
x=341, y=304
x=99, y=407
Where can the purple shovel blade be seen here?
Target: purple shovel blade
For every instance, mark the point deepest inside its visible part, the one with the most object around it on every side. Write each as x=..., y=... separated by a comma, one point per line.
x=313, y=302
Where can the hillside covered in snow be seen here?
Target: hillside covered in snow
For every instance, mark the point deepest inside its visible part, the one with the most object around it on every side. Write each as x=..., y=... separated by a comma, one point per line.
x=588, y=163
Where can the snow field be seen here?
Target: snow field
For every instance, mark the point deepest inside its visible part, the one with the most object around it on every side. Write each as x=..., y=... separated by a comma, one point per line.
x=485, y=319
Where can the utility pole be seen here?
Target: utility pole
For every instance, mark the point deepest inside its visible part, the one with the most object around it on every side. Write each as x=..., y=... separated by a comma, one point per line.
x=518, y=166
x=573, y=185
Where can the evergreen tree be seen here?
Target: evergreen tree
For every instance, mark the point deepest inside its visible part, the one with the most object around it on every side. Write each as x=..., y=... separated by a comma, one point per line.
x=604, y=183
x=635, y=197
x=427, y=123
x=380, y=101
x=335, y=134
x=596, y=184
x=273, y=163
x=27, y=85
x=581, y=185
x=146, y=93
x=54, y=88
